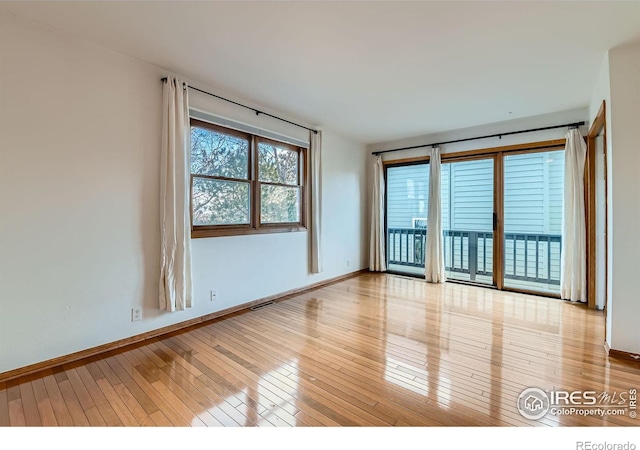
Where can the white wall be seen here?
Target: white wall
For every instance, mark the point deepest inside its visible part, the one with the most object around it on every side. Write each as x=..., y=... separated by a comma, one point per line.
x=79, y=228
x=601, y=90
x=624, y=201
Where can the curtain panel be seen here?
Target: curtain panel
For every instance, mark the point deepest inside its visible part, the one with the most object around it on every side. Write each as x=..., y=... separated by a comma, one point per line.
x=434, y=271
x=377, y=259
x=175, y=220
x=315, y=159
x=573, y=266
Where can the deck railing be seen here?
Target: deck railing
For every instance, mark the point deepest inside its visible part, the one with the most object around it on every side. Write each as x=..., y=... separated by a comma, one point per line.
x=531, y=257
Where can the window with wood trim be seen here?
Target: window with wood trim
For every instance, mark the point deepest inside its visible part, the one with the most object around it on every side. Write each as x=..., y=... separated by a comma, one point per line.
x=245, y=184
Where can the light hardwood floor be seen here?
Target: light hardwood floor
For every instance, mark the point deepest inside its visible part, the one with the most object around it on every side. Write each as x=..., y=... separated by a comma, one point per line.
x=376, y=350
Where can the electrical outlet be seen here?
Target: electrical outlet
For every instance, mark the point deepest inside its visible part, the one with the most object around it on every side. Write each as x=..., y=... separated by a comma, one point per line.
x=348, y=263
x=136, y=314
x=213, y=295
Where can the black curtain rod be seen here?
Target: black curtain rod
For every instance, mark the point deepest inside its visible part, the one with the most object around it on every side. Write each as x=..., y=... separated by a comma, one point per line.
x=499, y=135
x=257, y=111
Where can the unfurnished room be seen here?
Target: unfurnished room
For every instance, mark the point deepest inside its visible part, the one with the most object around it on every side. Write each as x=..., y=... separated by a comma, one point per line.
x=321, y=214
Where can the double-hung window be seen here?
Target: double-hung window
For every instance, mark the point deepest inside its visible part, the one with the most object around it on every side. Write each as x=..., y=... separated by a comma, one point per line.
x=244, y=184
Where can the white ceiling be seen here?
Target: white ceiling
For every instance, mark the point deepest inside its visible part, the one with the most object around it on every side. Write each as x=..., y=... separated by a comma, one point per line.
x=375, y=71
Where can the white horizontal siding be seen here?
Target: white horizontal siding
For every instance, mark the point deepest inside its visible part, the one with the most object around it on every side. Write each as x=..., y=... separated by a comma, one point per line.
x=407, y=192
x=533, y=192
x=445, y=196
x=469, y=193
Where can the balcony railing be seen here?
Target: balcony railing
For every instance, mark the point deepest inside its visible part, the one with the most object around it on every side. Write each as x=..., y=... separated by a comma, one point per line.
x=529, y=257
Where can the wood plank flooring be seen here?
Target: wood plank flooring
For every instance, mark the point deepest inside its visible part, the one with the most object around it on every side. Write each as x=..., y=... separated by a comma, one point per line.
x=376, y=350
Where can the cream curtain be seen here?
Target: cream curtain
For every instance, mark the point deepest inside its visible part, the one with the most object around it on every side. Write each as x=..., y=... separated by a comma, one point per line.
x=315, y=159
x=175, y=232
x=434, y=271
x=377, y=260
x=573, y=279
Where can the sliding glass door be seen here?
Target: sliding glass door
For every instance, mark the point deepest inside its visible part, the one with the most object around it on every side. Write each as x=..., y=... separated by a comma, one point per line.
x=501, y=218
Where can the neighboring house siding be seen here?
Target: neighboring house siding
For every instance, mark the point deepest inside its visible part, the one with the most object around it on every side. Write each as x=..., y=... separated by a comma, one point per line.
x=533, y=196
x=524, y=193
x=445, y=179
x=470, y=194
x=556, y=190
x=407, y=192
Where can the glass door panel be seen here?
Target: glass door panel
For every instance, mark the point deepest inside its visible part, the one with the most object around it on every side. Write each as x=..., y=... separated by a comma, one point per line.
x=467, y=219
x=407, y=192
x=533, y=202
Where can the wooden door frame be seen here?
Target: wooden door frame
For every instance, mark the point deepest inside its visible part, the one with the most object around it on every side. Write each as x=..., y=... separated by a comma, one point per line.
x=498, y=221
x=598, y=125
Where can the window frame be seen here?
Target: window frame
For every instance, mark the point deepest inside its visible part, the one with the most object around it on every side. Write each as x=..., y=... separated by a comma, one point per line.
x=254, y=226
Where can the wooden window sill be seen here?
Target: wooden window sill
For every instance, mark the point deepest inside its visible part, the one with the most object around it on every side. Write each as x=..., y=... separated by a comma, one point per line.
x=216, y=232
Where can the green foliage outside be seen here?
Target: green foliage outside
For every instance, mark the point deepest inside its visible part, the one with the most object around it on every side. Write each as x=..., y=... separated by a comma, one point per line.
x=217, y=202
